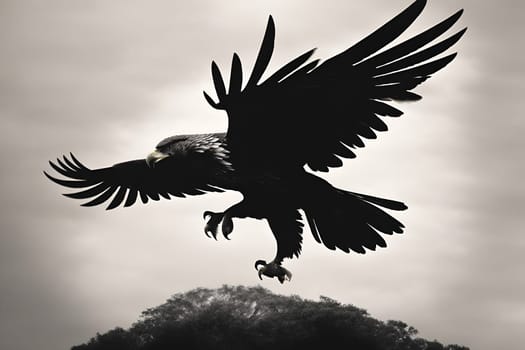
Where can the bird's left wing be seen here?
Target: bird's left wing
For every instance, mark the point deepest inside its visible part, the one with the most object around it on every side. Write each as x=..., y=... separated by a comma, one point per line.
x=307, y=113
x=125, y=182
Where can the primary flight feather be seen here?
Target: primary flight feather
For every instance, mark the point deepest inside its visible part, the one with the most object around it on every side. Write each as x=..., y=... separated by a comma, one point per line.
x=305, y=114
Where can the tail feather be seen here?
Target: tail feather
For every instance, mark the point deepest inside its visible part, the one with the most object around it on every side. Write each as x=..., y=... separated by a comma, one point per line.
x=351, y=221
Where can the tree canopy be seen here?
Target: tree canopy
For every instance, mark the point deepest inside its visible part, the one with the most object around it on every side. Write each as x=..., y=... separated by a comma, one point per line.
x=237, y=317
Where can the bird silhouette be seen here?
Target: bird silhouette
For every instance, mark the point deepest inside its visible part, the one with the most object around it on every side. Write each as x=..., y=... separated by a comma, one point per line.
x=307, y=114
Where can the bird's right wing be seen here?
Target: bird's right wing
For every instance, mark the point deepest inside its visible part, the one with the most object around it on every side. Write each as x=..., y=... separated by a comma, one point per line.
x=310, y=113
x=129, y=180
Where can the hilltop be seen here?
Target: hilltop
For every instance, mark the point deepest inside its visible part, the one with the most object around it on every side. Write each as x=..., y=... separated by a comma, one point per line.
x=237, y=317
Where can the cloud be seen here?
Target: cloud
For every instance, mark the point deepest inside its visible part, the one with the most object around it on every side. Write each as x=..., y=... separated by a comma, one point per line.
x=109, y=80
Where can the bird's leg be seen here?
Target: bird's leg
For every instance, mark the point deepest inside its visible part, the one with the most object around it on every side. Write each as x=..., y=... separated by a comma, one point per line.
x=235, y=211
x=273, y=269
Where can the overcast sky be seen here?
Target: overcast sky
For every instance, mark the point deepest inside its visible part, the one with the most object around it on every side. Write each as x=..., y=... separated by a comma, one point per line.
x=109, y=79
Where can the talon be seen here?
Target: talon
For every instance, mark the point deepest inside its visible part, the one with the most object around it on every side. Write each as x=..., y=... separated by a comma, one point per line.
x=212, y=223
x=259, y=262
x=260, y=271
x=212, y=230
x=273, y=269
x=227, y=226
x=207, y=232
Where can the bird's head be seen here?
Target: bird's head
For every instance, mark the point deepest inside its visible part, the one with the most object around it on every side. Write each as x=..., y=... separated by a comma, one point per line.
x=154, y=157
x=166, y=148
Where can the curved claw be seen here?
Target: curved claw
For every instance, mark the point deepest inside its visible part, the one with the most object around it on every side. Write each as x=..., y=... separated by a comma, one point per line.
x=285, y=275
x=212, y=223
x=207, y=232
x=259, y=262
x=227, y=226
x=212, y=230
x=207, y=213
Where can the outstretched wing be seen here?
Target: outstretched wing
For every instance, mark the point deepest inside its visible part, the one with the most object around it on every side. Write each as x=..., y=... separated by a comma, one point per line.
x=307, y=113
x=129, y=180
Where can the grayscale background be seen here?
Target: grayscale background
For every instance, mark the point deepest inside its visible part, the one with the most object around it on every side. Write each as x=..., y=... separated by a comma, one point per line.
x=107, y=80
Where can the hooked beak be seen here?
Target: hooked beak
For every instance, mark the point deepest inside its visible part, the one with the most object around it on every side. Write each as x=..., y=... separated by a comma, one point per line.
x=154, y=157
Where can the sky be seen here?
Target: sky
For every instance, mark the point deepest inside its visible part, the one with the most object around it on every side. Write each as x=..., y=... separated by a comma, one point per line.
x=108, y=80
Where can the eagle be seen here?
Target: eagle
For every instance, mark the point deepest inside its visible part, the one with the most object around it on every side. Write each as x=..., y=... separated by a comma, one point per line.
x=302, y=119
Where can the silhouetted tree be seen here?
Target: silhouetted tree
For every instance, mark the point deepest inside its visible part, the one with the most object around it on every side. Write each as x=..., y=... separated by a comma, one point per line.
x=253, y=317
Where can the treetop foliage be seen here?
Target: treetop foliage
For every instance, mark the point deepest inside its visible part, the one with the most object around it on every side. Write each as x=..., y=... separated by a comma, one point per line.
x=238, y=317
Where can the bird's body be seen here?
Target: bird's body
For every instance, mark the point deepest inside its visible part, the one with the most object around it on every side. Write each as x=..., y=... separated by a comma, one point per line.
x=305, y=115
x=211, y=151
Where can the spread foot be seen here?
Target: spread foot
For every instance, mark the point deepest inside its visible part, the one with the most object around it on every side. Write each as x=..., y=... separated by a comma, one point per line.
x=212, y=223
x=214, y=219
x=272, y=269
